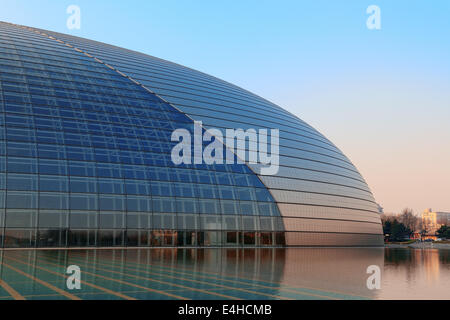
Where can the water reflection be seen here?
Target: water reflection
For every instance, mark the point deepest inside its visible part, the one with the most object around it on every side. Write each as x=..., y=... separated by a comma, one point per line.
x=416, y=274
x=332, y=269
x=269, y=273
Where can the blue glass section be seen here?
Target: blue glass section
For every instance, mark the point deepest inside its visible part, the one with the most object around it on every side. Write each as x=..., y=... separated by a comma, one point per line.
x=87, y=148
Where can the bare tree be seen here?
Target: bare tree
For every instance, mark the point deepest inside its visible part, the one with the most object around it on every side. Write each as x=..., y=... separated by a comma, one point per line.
x=409, y=219
x=387, y=217
x=423, y=228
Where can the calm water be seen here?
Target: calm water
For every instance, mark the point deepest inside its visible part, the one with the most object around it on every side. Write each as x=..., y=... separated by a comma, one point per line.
x=294, y=273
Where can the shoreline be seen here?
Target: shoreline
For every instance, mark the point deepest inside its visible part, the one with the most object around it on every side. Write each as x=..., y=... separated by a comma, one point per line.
x=419, y=245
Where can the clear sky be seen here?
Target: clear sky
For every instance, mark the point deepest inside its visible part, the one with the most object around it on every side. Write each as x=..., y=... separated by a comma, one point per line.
x=382, y=96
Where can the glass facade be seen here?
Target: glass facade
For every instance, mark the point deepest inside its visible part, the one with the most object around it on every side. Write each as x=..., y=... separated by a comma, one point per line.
x=85, y=157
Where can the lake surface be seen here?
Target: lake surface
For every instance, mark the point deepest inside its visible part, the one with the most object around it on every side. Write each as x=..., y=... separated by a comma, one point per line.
x=269, y=273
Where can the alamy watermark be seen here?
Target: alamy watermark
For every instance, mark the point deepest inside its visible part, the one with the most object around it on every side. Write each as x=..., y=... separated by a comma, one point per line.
x=374, y=280
x=74, y=20
x=374, y=20
x=73, y=281
x=213, y=153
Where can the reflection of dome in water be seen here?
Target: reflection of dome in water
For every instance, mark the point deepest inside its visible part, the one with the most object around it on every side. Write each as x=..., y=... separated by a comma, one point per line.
x=86, y=131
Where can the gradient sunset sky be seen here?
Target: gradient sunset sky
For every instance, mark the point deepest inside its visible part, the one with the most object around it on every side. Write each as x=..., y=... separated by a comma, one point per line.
x=382, y=96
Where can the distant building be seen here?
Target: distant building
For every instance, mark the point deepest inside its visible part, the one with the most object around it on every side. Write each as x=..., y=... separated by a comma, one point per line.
x=443, y=218
x=432, y=221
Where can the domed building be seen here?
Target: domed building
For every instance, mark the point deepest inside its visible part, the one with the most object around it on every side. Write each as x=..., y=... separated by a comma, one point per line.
x=86, y=145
